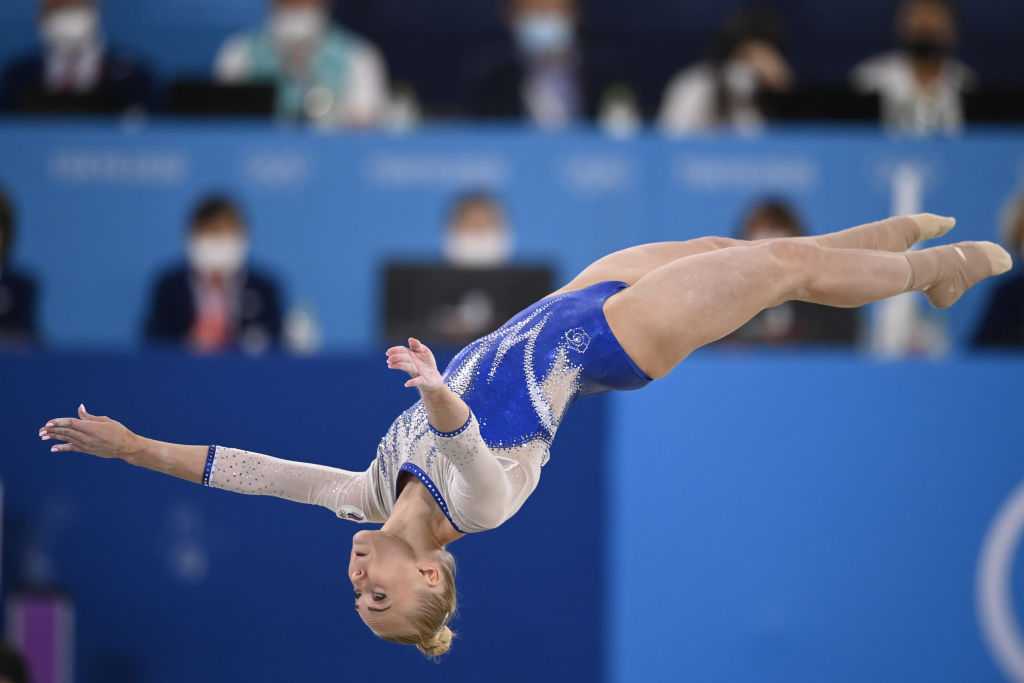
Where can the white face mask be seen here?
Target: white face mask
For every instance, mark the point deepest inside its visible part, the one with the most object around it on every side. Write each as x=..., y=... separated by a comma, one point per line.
x=70, y=29
x=740, y=78
x=544, y=33
x=478, y=249
x=293, y=27
x=770, y=232
x=217, y=255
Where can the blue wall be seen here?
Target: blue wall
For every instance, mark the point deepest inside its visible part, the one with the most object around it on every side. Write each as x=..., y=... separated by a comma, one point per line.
x=810, y=519
x=103, y=208
x=173, y=582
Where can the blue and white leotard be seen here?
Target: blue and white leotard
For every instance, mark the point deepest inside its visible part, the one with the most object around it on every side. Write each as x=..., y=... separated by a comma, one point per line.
x=518, y=382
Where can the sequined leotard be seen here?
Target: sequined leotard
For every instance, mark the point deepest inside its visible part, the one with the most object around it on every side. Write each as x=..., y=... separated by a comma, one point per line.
x=518, y=382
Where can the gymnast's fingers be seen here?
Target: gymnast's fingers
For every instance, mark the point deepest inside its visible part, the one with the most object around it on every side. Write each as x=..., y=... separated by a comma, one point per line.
x=404, y=366
x=421, y=351
x=47, y=430
x=62, y=433
x=63, y=422
x=419, y=347
x=86, y=415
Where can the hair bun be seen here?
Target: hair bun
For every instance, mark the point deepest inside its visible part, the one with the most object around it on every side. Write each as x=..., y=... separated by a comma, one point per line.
x=439, y=644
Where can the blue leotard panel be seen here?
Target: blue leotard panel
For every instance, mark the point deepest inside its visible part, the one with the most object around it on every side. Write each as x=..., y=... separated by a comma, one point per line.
x=520, y=379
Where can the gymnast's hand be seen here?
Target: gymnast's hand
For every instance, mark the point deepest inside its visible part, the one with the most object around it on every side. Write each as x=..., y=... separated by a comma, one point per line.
x=418, y=361
x=99, y=436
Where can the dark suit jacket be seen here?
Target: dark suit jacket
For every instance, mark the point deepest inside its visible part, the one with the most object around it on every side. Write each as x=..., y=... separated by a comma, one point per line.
x=1003, y=322
x=18, y=296
x=123, y=84
x=172, y=309
x=494, y=90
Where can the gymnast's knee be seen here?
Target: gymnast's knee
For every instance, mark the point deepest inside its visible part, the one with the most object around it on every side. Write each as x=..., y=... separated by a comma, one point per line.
x=794, y=263
x=714, y=243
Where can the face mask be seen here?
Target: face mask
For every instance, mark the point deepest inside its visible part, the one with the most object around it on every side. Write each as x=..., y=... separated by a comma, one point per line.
x=216, y=255
x=740, y=78
x=69, y=29
x=770, y=232
x=298, y=26
x=926, y=48
x=486, y=248
x=544, y=33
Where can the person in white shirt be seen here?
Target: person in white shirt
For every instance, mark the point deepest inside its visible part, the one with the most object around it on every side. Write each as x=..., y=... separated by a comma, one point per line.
x=722, y=90
x=921, y=83
x=322, y=71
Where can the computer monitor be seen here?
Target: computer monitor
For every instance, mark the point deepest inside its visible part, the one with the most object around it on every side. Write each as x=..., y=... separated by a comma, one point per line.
x=448, y=305
x=189, y=97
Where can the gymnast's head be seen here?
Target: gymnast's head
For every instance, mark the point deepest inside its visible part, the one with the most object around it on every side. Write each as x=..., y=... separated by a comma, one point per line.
x=403, y=595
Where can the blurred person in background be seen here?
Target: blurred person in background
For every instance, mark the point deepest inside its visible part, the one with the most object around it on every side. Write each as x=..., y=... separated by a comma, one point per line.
x=795, y=322
x=75, y=65
x=477, y=234
x=12, y=666
x=216, y=301
x=921, y=83
x=545, y=78
x=323, y=72
x=474, y=288
x=18, y=292
x=722, y=91
x=1002, y=324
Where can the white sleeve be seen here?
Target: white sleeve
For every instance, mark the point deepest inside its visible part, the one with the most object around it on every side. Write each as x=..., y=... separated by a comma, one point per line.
x=688, y=104
x=480, y=490
x=366, y=88
x=232, y=62
x=873, y=75
x=346, y=494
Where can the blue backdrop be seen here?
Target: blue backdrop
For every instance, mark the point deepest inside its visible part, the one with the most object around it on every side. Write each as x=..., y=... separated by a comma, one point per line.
x=103, y=208
x=810, y=519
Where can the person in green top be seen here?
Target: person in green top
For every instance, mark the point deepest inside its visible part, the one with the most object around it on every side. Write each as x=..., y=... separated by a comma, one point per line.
x=322, y=71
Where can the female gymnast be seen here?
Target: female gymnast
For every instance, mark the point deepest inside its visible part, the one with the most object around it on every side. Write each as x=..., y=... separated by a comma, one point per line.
x=466, y=456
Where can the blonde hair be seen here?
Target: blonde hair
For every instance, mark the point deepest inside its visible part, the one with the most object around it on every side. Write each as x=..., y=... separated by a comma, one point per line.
x=432, y=636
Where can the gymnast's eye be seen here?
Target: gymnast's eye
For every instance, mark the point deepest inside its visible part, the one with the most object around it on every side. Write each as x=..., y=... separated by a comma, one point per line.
x=357, y=594
x=379, y=597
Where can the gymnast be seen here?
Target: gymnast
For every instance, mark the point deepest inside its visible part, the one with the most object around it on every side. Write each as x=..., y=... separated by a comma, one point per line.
x=466, y=456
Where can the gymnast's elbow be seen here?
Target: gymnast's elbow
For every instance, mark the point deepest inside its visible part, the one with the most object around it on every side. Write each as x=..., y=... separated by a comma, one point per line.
x=486, y=511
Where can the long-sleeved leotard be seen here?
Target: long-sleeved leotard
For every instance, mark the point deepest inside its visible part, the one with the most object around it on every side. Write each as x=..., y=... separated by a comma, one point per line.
x=518, y=382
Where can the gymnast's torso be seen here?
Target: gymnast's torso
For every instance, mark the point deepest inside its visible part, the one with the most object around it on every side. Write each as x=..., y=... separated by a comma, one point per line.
x=518, y=382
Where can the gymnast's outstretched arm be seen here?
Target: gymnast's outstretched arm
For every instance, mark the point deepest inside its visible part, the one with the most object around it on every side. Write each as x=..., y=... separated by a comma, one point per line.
x=345, y=493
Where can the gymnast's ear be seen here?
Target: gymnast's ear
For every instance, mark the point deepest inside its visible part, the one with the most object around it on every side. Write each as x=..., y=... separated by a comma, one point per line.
x=431, y=573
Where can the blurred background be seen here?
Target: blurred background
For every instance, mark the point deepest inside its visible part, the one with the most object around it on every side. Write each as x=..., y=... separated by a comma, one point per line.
x=214, y=216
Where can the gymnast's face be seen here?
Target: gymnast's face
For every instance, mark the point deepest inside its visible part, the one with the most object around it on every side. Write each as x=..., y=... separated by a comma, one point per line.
x=388, y=579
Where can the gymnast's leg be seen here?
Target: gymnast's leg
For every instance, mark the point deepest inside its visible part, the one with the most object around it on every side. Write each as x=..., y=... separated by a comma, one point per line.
x=691, y=302
x=892, y=234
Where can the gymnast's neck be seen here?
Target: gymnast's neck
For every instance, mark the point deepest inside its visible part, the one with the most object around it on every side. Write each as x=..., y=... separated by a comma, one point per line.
x=418, y=520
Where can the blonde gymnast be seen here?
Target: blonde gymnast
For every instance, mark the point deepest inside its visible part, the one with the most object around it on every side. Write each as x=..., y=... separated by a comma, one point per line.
x=466, y=456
